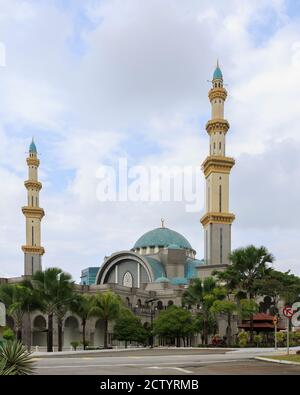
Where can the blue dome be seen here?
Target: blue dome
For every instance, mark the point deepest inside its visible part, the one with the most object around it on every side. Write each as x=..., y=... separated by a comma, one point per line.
x=32, y=148
x=162, y=280
x=218, y=74
x=162, y=237
x=179, y=281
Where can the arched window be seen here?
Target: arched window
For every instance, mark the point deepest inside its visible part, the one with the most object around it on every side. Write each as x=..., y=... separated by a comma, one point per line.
x=128, y=280
x=220, y=198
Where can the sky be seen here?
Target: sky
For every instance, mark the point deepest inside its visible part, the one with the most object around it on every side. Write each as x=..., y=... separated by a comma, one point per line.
x=97, y=80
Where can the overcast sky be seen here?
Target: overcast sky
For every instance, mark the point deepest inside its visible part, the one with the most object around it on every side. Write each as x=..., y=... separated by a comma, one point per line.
x=93, y=81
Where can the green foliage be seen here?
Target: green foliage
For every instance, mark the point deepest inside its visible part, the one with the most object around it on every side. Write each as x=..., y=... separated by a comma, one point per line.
x=242, y=338
x=15, y=359
x=223, y=307
x=175, y=322
x=204, y=293
x=55, y=290
x=8, y=334
x=75, y=344
x=18, y=299
x=247, y=307
x=281, y=338
x=106, y=306
x=128, y=327
x=258, y=339
x=249, y=264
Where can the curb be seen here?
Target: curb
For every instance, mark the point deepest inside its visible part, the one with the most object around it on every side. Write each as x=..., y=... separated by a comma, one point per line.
x=280, y=361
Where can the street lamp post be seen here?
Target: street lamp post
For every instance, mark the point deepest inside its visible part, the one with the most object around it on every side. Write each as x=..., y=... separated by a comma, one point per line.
x=152, y=312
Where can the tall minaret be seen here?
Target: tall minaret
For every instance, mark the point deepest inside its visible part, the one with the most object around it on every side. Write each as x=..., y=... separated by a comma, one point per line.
x=33, y=213
x=217, y=219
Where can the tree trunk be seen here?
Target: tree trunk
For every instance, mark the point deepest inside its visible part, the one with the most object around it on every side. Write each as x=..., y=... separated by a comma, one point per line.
x=83, y=333
x=251, y=328
x=205, y=332
x=50, y=333
x=19, y=333
x=229, y=331
x=125, y=343
x=105, y=333
x=60, y=334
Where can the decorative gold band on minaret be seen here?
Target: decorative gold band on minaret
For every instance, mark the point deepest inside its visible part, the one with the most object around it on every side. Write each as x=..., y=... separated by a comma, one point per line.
x=217, y=164
x=217, y=125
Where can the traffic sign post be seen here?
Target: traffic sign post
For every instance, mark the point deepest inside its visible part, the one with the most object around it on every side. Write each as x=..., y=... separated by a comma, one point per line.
x=288, y=312
x=275, y=329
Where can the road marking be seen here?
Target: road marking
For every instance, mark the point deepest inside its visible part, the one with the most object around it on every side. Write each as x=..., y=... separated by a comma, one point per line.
x=169, y=367
x=183, y=370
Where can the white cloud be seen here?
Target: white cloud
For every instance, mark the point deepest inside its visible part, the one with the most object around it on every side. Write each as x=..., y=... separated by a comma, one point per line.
x=138, y=89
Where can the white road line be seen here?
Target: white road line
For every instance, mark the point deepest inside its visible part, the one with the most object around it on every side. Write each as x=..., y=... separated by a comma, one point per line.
x=182, y=370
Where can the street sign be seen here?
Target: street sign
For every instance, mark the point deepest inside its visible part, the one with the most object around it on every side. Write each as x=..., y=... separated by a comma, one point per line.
x=288, y=312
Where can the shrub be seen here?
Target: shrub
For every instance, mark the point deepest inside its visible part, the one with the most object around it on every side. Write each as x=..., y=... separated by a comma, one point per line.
x=258, y=340
x=281, y=336
x=242, y=338
x=8, y=334
x=75, y=344
x=15, y=359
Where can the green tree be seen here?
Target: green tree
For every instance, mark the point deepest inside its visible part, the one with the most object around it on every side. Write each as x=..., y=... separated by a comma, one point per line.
x=82, y=305
x=279, y=285
x=18, y=300
x=129, y=328
x=248, y=265
x=106, y=306
x=204, y=294
x=55, y=289
x=226, y=307
x=175, y=323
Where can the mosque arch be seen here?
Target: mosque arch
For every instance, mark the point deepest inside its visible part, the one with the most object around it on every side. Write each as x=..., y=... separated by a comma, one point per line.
x=71, y=330
x=39, y=331
x=114, y=262
x=99, y=333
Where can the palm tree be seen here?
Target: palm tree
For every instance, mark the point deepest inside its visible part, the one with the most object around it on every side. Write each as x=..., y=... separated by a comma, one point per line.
x=106, y=306
x=204, y=294
x=249, y=264
x=18, y=299
x=55, y=289
x=81, y=306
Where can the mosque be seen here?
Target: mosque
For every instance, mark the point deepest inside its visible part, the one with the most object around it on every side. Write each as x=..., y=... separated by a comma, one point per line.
x=154, y=272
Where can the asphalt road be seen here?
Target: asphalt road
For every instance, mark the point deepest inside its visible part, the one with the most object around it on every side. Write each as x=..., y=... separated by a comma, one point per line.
x=162, y=362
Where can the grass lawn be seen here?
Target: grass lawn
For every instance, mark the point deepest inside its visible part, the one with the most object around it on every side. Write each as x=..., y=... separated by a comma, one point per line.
x=291, y=357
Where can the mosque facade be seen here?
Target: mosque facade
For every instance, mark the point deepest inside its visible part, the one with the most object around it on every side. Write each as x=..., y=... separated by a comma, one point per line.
x=155, y=272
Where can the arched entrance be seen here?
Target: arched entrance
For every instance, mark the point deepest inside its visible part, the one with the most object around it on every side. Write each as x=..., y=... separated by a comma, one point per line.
x=39, y=331
x=99, y=334
x=71, y=331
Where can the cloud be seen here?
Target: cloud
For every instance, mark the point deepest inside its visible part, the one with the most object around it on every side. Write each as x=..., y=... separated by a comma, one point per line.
x=98, y=80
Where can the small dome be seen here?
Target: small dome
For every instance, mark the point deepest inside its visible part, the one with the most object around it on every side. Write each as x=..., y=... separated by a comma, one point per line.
x=32, y=148
x=179, y=281
x=162, y=280
x=162, y=237
x=218, y=74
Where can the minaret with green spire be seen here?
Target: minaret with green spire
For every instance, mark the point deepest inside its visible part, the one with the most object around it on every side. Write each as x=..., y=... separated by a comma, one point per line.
x=33, y=213
x=217, y=219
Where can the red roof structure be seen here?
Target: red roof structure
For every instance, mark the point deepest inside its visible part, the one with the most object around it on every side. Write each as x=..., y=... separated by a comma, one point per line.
x=261, y=323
